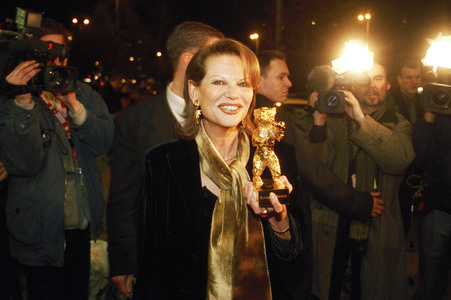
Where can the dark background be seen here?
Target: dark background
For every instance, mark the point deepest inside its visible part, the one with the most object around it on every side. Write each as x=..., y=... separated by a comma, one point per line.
x=398, y=29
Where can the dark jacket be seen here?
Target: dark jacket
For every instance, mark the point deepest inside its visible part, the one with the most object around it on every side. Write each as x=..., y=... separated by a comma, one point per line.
x=138, y=128
x=32, y=155
x=432, y=143
x=400, y=105
x=174, y=257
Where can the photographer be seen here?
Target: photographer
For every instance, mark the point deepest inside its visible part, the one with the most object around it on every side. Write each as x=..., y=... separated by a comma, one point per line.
x=368, y=147
x=55, y=194
x=432, y=143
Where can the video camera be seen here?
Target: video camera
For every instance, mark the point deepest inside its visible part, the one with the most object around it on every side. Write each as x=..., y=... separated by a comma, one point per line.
x=437, y=98
x=328, y=84
x=55, y=79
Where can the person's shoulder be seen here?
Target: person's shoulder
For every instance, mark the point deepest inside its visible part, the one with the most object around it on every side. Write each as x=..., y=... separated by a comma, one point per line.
x=176, y=147
x=140, y=110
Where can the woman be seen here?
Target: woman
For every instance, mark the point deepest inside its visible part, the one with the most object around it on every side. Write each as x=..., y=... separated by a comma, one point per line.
x=202, y=239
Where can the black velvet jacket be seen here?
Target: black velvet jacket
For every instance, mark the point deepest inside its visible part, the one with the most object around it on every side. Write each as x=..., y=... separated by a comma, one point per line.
x=175, y=250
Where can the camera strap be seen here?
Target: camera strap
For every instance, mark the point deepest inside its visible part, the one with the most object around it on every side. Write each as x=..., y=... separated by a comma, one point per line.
x=62, y=117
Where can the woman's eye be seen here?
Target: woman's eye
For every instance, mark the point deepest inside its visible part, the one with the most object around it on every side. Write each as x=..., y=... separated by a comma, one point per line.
x=243, y=84
x=218, y=82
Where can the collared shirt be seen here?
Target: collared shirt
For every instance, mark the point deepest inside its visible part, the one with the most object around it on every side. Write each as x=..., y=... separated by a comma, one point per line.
x=176, y=103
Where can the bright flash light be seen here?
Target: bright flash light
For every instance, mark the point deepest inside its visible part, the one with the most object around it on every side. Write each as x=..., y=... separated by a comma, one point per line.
x=159, y=54
x=438, y=53
x=74, y=20
x=356, y=57
x=253, y=36
x=86, y=21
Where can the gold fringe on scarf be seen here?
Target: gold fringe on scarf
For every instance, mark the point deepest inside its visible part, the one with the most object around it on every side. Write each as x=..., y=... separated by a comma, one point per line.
x=237, y=266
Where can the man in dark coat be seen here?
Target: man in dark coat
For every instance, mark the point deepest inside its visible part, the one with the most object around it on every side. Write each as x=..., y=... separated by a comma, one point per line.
x=139, y=128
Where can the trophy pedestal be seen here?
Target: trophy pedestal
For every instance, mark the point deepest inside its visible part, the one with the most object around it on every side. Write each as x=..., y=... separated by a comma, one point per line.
x=266, y=189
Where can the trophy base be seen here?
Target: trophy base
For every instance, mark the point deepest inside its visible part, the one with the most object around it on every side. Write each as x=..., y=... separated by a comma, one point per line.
x=263, y=196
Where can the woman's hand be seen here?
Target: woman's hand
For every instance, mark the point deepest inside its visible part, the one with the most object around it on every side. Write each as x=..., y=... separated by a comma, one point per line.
x=277, y=215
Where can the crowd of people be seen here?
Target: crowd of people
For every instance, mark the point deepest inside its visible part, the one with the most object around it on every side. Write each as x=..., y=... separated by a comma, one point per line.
x=183, y=216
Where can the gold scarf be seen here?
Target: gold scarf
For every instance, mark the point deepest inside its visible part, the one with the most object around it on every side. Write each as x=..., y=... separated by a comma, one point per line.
x=237, y=266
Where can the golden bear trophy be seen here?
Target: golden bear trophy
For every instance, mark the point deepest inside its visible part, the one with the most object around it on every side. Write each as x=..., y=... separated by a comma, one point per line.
x=263, y=138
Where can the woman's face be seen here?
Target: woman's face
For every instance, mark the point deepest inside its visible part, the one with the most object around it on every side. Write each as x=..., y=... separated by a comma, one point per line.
x=224, y=94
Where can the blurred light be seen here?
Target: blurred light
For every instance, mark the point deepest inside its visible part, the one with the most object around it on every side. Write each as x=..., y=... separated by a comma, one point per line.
x=420, y=90
x=131, y=58
x=133, y=81
x=74, y=20
x=86, y=21
x=360, y=17
x=70, y=38
x=313, y=23
x=253, y=36
x=367, y=16
x=96, y=64
x=123, y=81
x=438, y=54
x=102, y=83
x=87, y=80
x=159, y=54
x=356, y=57
x=96, y=77
x=278, y=104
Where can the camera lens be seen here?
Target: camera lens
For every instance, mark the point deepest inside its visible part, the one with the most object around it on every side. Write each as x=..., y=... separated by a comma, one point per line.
x=441, y=98
x=332, y=100
x=58, y=78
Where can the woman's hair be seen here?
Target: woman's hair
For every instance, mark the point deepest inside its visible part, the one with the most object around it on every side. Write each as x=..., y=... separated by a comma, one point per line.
x=196, y=71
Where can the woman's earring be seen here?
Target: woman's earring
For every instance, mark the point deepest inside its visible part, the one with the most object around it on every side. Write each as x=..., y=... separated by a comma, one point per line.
x=197, y=112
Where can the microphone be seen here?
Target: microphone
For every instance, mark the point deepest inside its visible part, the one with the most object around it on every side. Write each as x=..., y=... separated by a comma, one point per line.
x=321, y=78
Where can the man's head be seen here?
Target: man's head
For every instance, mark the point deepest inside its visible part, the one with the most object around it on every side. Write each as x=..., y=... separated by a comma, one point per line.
x=409, y=76
x=188, y=37
x=372, y=96
x=53, y=31
x=274, y=82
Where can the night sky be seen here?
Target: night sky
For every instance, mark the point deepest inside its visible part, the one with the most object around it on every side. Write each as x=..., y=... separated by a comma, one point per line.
x=398, y=28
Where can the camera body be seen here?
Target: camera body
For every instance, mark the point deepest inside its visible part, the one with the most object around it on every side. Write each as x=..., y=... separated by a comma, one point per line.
x=437, y=98
x=52, y=78
x=332, y=101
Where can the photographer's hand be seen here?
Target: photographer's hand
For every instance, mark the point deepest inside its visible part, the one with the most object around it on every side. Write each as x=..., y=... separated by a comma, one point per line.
x=353, y=108
x=319, y=118
x=23, y=73
x=20, y=77
x=70, y=100
x=429, y=116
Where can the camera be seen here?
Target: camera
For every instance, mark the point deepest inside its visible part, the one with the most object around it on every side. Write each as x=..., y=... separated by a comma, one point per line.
x=55, y=79
x=437, y=98
x=328, y=84
x=331, y=101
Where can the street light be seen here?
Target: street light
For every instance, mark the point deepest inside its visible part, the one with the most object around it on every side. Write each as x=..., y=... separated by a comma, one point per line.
x=255, y=37
x=366, y=17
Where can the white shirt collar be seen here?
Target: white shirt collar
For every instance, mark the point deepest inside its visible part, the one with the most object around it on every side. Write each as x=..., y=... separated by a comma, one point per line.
x=176, y=103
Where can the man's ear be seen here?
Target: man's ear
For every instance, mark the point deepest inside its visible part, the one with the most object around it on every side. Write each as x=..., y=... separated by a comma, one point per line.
x=193, y=92
x=186, y=58
x=399, y=79
x=388, y=86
